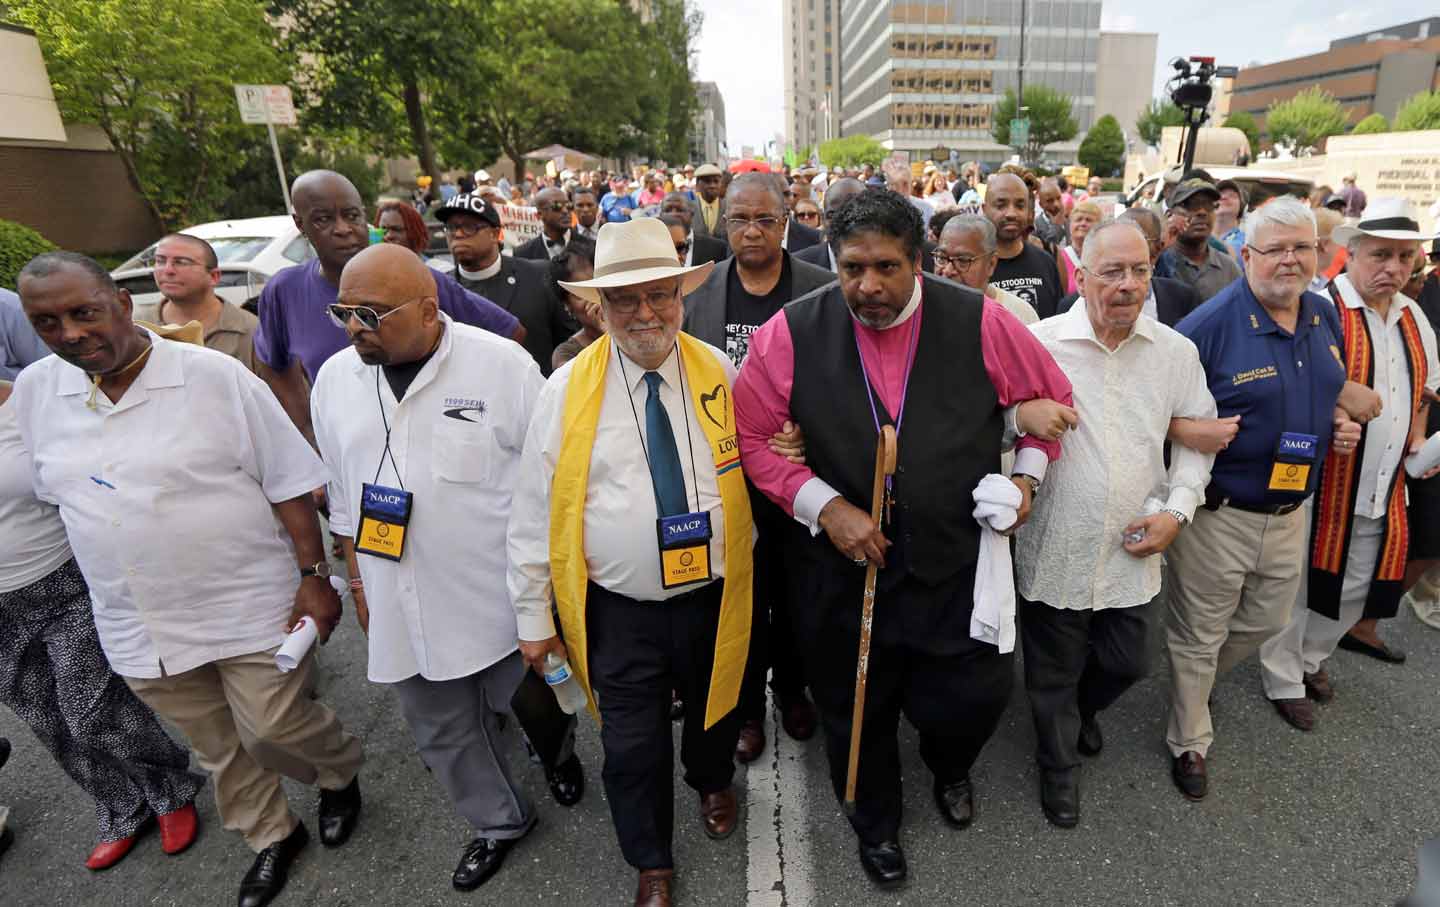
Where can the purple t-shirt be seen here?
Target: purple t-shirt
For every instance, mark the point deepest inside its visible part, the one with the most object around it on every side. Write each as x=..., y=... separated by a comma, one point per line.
x=295, y=325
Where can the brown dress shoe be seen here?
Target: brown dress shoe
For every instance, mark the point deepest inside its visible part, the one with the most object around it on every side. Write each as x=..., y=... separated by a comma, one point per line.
x=1317, y=686
x=1298, y=712
x=752, y=741
x=718, y=812
x=654, y=888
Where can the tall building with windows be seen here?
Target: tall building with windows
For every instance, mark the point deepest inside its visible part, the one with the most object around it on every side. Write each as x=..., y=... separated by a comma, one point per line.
x=810, y=31
x=707, y=130
x=926, y=75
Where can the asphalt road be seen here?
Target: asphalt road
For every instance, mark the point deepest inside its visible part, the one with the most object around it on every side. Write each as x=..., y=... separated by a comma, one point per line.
x=1334, y=817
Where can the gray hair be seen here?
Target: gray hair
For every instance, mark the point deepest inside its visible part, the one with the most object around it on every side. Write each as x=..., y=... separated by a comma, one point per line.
x=973, y=223
x=770, y=182
x=1088, y=254
x=48, y=263
x=1279, y=212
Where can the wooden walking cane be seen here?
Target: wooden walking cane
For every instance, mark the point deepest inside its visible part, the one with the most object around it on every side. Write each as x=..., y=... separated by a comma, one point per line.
x=885, y=454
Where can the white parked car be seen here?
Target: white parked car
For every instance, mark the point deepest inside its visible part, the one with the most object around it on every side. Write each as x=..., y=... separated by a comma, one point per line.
x=1260, y=185
x=250, y=252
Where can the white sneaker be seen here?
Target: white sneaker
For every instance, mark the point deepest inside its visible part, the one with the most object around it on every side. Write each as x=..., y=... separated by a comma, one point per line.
x=1427, y=612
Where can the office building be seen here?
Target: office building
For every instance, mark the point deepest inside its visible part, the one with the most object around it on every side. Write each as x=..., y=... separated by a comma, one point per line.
x=923, y=76
x=810, y=33
x=1124, y=76
x=707, y=129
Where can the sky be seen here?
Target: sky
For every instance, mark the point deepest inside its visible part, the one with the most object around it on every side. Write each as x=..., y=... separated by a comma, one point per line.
x=740, y=47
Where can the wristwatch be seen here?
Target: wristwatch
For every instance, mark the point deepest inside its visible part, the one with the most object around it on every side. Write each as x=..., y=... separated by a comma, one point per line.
x=1180, y=518
x=1031, y=480
x=321, y=569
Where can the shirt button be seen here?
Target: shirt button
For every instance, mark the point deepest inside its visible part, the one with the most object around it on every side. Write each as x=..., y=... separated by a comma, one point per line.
x=131, y=571
x=115, y=523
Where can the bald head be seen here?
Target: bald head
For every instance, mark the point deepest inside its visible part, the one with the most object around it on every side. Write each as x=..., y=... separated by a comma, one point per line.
x=839, y=193
x=331, y=214
x=318, y=185
x=389, y=278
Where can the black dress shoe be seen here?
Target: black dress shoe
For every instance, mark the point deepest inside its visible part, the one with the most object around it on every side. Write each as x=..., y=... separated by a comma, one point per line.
x=271, y=868
x=956, y=801
x=1091, y=741
x=797, y=716
x=4, y=751
x=567, y=781
x=1383, y=652
x=1060, y=797
x=884, y=863
x=481, y=860
x=1187, y=770
x=339, y=811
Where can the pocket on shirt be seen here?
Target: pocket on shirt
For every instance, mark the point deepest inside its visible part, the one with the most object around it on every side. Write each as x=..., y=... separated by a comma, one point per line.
x=465, y=455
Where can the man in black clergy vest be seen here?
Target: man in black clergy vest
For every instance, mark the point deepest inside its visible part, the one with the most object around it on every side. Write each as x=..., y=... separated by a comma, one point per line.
x=948, y=369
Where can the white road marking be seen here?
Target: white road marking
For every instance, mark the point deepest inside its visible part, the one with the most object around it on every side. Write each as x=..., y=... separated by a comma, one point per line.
x=778, y=873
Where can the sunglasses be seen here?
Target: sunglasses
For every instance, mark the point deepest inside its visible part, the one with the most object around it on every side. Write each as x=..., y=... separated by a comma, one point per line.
x=369, y=318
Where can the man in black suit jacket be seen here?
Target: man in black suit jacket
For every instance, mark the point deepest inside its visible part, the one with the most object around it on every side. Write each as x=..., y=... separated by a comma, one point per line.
x=1173, y=300
x=518, y=285
x=741, y=294
x=555, y=208
x=709, y=182
x=840, y=192
x=702, y=248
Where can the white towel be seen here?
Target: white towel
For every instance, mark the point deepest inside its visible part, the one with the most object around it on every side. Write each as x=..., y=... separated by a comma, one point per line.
x=993, y=618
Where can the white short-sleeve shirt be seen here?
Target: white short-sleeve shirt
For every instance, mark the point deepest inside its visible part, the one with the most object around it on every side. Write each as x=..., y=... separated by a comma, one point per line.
x=166, y=496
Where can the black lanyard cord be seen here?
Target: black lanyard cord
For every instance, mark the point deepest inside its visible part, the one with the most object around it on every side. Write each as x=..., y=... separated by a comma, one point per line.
x=387, y=452
x=684, y=411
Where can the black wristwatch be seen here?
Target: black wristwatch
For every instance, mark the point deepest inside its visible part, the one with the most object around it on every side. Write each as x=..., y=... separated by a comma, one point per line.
x=321, y=569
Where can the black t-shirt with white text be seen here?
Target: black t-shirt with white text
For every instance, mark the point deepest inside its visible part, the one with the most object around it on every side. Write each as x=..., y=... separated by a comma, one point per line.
x=745, y=313
x=1033, y=276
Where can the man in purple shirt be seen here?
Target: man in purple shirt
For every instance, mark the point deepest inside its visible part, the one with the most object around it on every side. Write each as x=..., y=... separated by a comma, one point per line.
x=296, y=335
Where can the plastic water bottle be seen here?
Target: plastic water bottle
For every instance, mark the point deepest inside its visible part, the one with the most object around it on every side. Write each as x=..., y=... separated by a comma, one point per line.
x=563, y=684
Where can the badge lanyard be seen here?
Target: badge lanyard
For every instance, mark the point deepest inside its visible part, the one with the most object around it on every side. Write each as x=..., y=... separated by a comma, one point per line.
x=904, y=392
x=384, y=512
x=386, y=452
x=684, y=411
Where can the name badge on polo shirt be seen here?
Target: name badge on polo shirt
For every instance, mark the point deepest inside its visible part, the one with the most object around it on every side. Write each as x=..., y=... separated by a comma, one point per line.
x=1294, y=457
x=384, y=514
x=684, y=549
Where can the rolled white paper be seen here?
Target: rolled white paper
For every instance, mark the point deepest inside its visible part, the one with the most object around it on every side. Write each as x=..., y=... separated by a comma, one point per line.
x=302, y=637
x=1417, y=464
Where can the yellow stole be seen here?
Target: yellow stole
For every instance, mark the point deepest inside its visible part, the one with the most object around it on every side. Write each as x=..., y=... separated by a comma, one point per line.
x=715, y=411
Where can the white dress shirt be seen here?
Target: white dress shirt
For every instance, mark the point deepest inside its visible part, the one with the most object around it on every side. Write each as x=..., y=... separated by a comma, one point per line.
x=1387, y=436
x=442, y=611
x=1069, y=554
x=195, y=453
x=621, y=552
x=32, y=538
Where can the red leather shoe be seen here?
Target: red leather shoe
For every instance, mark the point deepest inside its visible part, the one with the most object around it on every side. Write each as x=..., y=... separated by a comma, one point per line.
x=179, y=829
x=111, y=852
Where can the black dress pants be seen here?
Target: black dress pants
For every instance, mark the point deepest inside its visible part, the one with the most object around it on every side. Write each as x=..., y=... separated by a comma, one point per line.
x=773, y=647
x=638, y=652
x=1077, y=663
x=952, y=689
x=550, y=731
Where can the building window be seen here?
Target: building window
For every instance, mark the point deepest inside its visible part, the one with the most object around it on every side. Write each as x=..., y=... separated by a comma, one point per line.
x=941, y=81
x=942, y=47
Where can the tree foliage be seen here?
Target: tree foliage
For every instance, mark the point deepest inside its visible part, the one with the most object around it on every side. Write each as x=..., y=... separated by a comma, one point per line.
x=852, y=151
x=18, y=244
x=1154, y=118
x=158, y=77
x=1420, y=112
x=1103, y=149
x=1372, y=124
x=1243, y=121
x=1304, y=121
x=1050, y=120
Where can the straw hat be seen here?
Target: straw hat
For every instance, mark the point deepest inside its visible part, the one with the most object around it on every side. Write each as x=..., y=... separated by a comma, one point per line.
x=637, y=251
x=1385, y=218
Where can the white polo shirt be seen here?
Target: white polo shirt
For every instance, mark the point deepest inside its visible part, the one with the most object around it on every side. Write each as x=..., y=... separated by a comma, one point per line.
x=188, y=461
x=443, y=610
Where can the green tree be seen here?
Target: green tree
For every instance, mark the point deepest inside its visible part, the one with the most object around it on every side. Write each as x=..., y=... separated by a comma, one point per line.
x=1103, y=149
x=1420, y=112
x=18, y=244
x=1374, y=123
x=1154, y=118
x=158, y=77
x=255, y=191
x=1306, y=120
x=1244, y=122
x=1050, y=120
x=852, y=151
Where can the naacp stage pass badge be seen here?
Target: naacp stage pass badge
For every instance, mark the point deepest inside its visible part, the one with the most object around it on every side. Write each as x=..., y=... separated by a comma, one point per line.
x=1294, y=457
x=684, y=549
x=384, y=514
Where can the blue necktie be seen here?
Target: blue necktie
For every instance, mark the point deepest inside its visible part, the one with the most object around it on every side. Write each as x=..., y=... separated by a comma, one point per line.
x=665, y=472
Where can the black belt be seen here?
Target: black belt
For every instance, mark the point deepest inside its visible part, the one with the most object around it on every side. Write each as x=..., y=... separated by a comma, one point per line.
x=1215, y=502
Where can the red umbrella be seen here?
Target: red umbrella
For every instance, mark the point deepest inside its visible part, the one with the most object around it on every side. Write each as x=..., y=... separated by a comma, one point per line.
x=749, y=165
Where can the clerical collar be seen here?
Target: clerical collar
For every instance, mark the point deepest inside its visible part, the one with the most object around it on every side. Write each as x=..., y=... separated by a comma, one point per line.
x=483, y=273
x=905, y=313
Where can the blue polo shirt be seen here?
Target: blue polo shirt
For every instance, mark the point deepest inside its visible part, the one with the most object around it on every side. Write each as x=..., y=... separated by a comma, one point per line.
x=1276, y=382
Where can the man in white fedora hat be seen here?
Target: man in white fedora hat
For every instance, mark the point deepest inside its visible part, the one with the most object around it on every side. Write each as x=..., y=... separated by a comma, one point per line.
x=1360, y=534
x=631, y=507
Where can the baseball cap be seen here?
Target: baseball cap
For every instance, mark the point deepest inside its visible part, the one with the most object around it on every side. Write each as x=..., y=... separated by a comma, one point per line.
x=1335, y=201
x=482, y=176
x=1191, y=188
x=469, y=204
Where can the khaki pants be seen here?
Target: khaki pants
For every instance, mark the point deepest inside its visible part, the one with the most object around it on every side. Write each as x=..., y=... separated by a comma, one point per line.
x=248, y=724
x=1233, y=579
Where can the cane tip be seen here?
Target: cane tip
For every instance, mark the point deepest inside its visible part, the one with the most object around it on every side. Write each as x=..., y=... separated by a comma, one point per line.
x=849, y=807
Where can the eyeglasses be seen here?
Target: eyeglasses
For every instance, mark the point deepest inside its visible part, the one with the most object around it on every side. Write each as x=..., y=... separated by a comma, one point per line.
x=1112, y=276
x=1280, y=253
x=659, y=301
x=807, y=215
x=463, y=230
x=556, y=207
x=741, y=224
x=961, y=262
x=175, y=261
x=369, y=318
